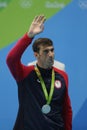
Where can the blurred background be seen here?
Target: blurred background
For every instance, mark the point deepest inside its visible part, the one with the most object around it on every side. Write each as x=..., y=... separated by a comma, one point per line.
x=66, y=25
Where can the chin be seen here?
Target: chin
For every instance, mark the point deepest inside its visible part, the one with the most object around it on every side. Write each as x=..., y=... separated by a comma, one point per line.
x=50, y=65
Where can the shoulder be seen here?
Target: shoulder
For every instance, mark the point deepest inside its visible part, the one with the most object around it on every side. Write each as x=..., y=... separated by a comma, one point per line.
x=59, y=67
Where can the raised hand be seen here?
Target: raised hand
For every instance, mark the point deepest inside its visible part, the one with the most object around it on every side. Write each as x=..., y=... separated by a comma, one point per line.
x=37, y=26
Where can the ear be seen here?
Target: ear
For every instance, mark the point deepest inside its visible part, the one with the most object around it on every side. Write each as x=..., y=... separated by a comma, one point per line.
x=36, y=54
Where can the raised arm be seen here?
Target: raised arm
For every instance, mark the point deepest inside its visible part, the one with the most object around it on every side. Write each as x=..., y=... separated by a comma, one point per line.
x=13, y=60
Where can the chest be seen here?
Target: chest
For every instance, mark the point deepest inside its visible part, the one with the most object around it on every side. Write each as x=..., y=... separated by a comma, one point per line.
x=35, y=86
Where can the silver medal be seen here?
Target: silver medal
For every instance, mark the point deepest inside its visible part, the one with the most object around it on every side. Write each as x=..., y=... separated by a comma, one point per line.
x=46, y=109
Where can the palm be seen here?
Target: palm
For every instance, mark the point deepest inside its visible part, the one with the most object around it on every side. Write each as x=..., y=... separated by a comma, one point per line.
x=36, y=28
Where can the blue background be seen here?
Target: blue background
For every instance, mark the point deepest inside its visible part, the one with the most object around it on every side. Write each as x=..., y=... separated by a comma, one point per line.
x=68, y=30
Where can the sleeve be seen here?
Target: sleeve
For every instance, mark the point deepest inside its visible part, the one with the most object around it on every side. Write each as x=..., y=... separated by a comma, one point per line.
x=13, y=59
x=67, y=109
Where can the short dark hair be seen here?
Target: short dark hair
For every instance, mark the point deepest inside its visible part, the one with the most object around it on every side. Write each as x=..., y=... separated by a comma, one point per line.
x=41, y=42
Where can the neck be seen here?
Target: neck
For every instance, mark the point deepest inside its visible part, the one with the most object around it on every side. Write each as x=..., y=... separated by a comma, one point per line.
x=43, y=66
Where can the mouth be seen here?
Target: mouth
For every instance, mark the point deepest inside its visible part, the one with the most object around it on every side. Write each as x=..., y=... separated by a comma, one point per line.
x=51, y=61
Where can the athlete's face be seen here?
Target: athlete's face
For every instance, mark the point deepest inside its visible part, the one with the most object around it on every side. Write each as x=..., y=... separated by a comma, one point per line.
x=45, y=56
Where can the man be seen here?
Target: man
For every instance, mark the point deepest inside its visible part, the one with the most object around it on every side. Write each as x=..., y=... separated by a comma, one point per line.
x=44, y=103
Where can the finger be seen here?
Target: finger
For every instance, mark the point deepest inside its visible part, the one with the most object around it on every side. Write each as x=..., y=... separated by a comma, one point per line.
x=39, y=19
x=35, y=19
x=43, y=19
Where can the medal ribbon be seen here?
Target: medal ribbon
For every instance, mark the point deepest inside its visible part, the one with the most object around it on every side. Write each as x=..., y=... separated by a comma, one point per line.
x=48, y=97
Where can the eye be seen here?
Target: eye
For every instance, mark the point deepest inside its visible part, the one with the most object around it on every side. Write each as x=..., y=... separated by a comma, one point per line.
x=48, y=50
x=52, y=49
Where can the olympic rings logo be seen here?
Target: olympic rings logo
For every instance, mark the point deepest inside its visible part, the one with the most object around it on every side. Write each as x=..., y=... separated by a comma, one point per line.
x=83, y=4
